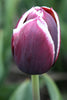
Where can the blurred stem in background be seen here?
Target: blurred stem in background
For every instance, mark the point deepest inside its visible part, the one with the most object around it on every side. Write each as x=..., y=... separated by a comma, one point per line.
x=7, y=14
x=10, y=11
x=0, y=13
x=1, y=46
x=1, y=57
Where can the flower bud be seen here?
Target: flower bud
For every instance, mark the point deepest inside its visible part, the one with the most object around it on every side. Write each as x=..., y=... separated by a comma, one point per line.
x=36, y=40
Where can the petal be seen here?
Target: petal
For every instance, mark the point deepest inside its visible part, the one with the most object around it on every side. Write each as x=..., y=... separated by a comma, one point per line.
x=56, y=38
x=59, y=33
x=26, y=14
x=52, y=26
x=34, y=49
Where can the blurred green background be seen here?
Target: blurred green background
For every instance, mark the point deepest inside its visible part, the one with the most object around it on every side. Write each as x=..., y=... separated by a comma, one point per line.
x=10, y=76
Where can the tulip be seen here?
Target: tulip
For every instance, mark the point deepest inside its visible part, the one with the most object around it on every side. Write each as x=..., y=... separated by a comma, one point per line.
x=36, y=40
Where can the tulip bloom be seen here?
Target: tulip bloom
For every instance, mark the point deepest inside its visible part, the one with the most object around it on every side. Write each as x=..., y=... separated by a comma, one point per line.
x=36, y=40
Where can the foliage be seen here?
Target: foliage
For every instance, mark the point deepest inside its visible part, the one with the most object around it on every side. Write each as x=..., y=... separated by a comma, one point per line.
x=23, y=91
x=52, y=88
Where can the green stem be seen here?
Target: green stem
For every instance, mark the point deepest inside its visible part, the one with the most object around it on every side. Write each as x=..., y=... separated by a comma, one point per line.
x=35, y=87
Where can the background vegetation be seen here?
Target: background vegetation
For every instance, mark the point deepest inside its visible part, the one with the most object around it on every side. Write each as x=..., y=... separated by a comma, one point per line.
x=10, y=76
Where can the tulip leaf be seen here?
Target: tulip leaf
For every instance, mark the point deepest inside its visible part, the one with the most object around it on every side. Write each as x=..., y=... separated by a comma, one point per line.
x=7, y=90
x=52, y=88
x=23, y=92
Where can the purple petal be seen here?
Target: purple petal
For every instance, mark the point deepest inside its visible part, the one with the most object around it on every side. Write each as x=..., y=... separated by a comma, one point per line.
x=34, y=49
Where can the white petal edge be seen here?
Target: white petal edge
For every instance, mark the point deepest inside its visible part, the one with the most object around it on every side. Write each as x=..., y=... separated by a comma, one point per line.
x=44, y=27
x=20, y=23
x=58, y=29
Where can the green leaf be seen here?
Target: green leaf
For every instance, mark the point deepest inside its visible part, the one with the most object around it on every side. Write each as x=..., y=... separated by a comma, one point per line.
x=23, y=92
x=7, y=90
x=52, y=88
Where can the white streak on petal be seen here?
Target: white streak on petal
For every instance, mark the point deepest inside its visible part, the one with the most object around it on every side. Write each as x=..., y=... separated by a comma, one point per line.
x=33, y=10
x=24, y=17
x=21, y=22
x=58, y=29
x=43, y=25
x=17, y=30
